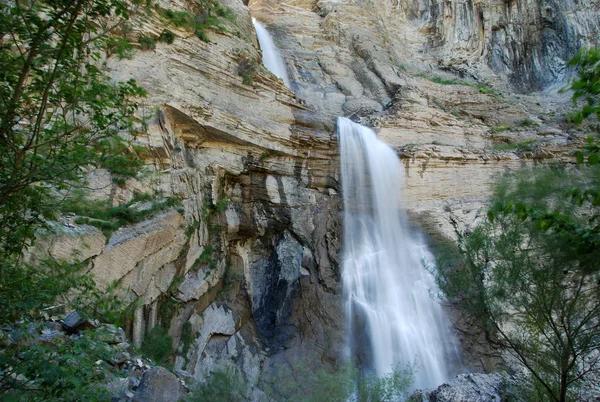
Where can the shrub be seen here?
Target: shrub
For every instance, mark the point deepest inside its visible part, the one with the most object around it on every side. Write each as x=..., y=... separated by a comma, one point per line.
x=147, y=42
x=529, y=275
x=587, y=85
x=158, y=345
x=118, y=46
x=223, y=385
x=167, y=36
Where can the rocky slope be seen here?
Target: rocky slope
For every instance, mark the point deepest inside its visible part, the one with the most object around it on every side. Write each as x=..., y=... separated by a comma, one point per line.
x=246, y=271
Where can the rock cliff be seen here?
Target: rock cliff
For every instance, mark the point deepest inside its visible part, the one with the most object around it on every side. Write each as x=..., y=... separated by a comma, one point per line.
x=246, y=271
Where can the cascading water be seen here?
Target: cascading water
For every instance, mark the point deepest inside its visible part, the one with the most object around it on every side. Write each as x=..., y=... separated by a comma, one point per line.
x=392, y=318
x=271, y=58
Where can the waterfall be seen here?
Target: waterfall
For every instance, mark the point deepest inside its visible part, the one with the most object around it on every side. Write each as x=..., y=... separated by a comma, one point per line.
x=271, y=58
x=391, y=317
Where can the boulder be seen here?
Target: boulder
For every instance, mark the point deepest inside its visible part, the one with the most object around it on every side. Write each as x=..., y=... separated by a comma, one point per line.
x=157, y=385
x=466, y=388
x=74, y=322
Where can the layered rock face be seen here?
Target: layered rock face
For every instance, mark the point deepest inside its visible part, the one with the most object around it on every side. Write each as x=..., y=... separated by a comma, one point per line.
x=246, y=266
x=246, y=271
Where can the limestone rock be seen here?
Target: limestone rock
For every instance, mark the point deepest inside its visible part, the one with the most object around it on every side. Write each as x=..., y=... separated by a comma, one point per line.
x=135, y=254
x=467, y=387
x=157, y=385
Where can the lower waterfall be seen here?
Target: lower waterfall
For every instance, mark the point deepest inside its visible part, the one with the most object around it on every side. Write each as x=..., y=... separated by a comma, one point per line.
x=392, y=318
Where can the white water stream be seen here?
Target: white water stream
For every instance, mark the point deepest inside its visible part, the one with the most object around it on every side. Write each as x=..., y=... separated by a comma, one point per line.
x=391, y=317
x=271, y=57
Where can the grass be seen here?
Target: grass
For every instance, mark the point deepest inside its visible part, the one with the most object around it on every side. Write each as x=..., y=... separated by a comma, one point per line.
x=211, y=16
x=524, y=146
x=108, y=218
x=523, y=124
x=500, y=129
x=528, y=123
x=206, y=258
x=484, y=89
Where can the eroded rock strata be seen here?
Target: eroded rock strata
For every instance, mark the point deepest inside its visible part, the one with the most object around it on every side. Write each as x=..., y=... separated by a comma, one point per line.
x=248, y=264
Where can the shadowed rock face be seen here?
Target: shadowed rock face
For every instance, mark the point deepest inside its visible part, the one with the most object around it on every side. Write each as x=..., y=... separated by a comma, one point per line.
x=248, y=267
x=523, y=44
x=529, y=41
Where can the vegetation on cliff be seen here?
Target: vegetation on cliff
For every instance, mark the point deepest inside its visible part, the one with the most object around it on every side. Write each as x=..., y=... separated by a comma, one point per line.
x=529, y=272
x=59, y=116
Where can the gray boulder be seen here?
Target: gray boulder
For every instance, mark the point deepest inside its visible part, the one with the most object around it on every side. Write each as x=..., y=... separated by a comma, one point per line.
x=157, y=385
x=75, y=322
x=466, y=388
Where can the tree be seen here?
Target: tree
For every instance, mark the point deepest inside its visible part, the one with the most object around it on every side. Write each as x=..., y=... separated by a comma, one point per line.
x=529, y=272
x=59, y=115
x=586, y=86
x=58, y=112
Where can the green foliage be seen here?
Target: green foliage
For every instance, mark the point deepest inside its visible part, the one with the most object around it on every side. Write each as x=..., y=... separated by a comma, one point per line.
x=178, y=18
x=586, y=87
x=264, y=156
x=499, y=129
x=187, y=337
x=104, y=216
x=528, y=123
x=158, y=345
x=119, y=157
x=390, y=387
x=210, y=16
x=147, y=42
x=304, y=382
x=169, y=309
x=221, y=204
x=400, y=67
x=484, y=89
x=66, y=371
x=247, y=69
x=525, y=146
x=167, y=36
x=529, y=274
x=444, y=81
x=116, y=45
x=224, y=385
x=53, y=118
x=591, y=153
x=207, y=257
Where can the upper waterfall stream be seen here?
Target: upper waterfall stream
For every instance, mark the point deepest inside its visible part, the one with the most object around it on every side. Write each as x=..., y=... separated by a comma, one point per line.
x=391, y=317
x=271, y=57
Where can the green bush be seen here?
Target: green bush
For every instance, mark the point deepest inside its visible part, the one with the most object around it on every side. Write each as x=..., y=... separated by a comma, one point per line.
x=118, y=46
x=147, y=42
x=167, y=36
x=223, y=385
x=66, y=370
x=586, y=86
x=158, y=345
x=390, y=387
x=211, y=16
x=529, y=275
x=108, y=218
